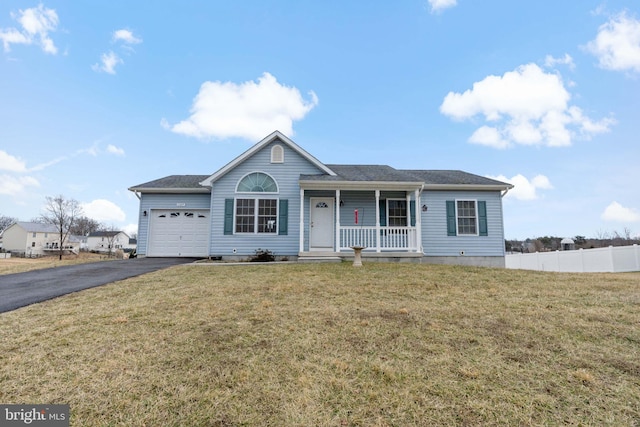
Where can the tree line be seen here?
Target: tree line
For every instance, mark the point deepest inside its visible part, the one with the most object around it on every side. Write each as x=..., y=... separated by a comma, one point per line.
x=553, y=243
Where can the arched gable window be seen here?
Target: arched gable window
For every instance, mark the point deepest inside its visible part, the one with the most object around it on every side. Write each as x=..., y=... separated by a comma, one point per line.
x=257, y=182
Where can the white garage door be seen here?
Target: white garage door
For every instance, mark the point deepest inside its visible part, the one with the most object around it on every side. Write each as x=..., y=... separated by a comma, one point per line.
x=179, y=233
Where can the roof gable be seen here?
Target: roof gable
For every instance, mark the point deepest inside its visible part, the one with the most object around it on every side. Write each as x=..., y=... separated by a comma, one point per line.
x=277, y=135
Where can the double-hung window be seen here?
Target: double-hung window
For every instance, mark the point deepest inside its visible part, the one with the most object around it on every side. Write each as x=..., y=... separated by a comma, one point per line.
x=397, y=213
x=256, y=213
x=467, y=217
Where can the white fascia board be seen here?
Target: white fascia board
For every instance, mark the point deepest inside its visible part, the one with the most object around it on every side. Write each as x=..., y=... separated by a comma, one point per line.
x=273, y=136
x=359, y=185
x=169, y=190
x=470, y=187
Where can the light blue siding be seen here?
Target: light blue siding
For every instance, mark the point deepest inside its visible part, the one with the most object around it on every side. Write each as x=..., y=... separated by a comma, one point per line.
x=435, y=241
x=151, y=201
x=286, y=175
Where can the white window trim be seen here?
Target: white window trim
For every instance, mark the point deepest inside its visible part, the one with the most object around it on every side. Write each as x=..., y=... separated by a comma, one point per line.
x=258, y=192
x=255, y=216
x=407, y=216
x=477, y=233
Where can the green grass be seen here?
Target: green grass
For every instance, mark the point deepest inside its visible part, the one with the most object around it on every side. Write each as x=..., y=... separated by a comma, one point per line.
x=332, y=345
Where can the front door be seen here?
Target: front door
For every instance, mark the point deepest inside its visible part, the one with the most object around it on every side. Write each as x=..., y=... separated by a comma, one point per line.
x=321, y=224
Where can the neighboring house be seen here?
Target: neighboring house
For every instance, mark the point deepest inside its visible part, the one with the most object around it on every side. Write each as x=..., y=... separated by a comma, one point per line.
x=131, y=245
x=278, y=197
x=36, y=239
x=107, y=241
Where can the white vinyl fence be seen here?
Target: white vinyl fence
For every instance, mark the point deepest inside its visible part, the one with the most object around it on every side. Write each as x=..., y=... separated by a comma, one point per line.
x=611, y=260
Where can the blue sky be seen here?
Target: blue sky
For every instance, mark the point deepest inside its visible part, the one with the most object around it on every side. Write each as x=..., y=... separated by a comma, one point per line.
x=99, y=96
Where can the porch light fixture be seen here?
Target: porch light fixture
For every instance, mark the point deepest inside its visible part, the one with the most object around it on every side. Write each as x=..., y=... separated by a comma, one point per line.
x=144, y=213
x=424, y=208
x=341, y=203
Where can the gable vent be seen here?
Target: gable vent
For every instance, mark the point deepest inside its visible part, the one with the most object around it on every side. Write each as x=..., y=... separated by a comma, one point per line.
x=277, y=154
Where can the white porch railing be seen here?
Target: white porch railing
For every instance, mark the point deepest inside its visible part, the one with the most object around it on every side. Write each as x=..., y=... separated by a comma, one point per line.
x=381, y=239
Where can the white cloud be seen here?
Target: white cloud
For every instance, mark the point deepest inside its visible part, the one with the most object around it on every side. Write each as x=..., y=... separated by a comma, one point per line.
x=248, y=110
x=103, y=210
x=527, y=106
x=11, y=185
x=36, y=23
x=126, y=37
x=489, y=136
x=130, y=229
x=617, y=45
x=551, y=62
x=616, y=212
x=115, y=150
x=440, y=5
x=108, y=62
x=523, y=188
x=11, y=163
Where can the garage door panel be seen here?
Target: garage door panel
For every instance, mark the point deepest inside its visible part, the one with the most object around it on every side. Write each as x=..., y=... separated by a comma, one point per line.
x=175, y=233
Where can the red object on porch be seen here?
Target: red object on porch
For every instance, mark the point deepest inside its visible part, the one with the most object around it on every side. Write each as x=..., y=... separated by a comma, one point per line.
x=355, y=213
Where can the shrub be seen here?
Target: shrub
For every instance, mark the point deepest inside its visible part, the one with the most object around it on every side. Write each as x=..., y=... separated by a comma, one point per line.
x=263, y=256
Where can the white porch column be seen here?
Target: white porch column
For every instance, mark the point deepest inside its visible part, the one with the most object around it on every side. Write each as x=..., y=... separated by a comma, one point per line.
x=302, y=220
x=337, y=242
x=377, y=220
x=408, y=198
x=418, y=214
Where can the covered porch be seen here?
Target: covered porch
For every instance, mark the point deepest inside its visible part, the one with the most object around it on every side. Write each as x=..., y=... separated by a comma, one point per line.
x=380, y=217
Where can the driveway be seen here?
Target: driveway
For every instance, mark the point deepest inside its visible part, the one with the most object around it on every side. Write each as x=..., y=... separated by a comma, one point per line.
x=21, y=289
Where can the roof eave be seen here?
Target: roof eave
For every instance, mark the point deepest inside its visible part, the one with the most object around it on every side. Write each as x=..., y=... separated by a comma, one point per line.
x=475, y=187
x=358, y=185
x=169, y=190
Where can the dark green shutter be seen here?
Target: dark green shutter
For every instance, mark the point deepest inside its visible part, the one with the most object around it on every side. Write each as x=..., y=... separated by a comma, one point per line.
x=383, y=212
x=228, y=216
x=482, y=218
x=451, y=218
x=283, y=217
x=412, y=209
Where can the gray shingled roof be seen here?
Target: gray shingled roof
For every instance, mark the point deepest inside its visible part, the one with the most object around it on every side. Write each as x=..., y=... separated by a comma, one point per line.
x=383, y=173
x=350, y=173
x=174, y=182
x=456, y=177
x=363, y=173
x=105, y=233
x=37, y=227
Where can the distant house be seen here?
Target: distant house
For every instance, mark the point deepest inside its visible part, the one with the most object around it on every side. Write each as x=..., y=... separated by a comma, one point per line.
x=36, y=239
x=108, y=241
x=278, y=197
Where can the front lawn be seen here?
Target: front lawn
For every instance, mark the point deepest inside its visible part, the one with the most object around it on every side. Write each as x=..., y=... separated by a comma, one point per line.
x=332, y=345
x=20, y=265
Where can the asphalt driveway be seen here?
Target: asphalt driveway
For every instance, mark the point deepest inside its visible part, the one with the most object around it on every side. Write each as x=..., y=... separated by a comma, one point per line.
x=21, y=289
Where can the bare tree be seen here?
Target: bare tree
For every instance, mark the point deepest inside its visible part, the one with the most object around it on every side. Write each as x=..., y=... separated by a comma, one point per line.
x=6, y=221
x=61, y=213
x=111, y=233
x=84, y=226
